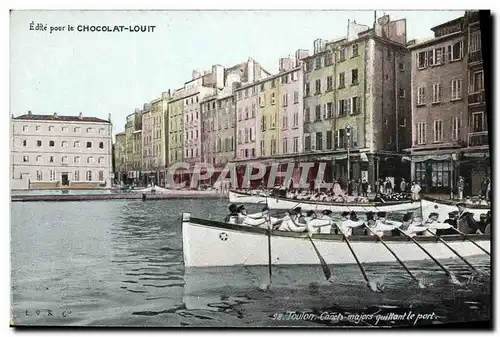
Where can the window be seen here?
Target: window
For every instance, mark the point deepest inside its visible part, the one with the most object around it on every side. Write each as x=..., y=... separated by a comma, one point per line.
x=436, y=93
x=51, y=143
x=438, y=131
x=455, y=51
x=475, y=41
x=295, y=76
x=356, y=105
x=328, y=59
x=295, y=144
x=422, y=60
x=89, y=130
x=262, y=86
x=421, y=133
x=52, y=174
x=307, y=115
x=39, y=176
x=342, y=54
x=77, y=176
x=421, y=96
x=38, y=128
x=344, y=107
x=64, y=143
x=341, y=80
x=100, y=160
x=38, y=143
x=318, y=87
x=295, y=97
x=477, y=82
x=285, y=145
x=317, y=113
x=76, y=144
x=456, y=89
x=308, y=65
x=262, y=147
x=285, y=99
x=354, y=76
x=246, y=92
x=38, y=159
x=354, y=50
x=64, y=160
x=341, y=140
x=455, y=128
x=402, y=93
x=329, y=110
x=273, y=98
x=24, y=142
x=90, y=160
x=76, y=159
x=307, y=143
x=89, y=145
x=77, y=129
x=329, y=83
x=295, y=119
x=478, y=122
x=319, y=141
x=89, y=175
x=273, y=83
x=329, y=140
x=401, y=66
x=25, y=128
x=101, y=131
x=26, y=159
x=436, y=56
x=317, y=63
x=51, y=159
x=263, y=123
x=51, y=128
x=307, y=89
x=285, y=122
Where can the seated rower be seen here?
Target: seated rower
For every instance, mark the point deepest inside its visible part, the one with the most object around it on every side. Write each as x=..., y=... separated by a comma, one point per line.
x=483, y=222
x=326, y=229
x=356, y=224
x=382, y=225
x=291, y=223
x=407, y=223
x=465, y=222
x=433, y=219
x=452, y=221
x=233, y=215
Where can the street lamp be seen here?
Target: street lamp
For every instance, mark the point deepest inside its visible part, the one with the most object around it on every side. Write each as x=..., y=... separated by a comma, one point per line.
x=348, y=135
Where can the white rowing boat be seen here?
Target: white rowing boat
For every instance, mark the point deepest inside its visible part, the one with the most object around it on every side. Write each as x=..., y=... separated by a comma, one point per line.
x=336, y=207
x=209, y=243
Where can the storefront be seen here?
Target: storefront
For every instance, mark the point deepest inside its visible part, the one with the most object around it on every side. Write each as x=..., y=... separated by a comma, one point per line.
x=475, y=167
x=435, y=173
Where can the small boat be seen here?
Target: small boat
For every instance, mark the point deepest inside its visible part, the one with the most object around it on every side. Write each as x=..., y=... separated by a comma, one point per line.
x=208, y=243
x=443, y=207
x=337, y=207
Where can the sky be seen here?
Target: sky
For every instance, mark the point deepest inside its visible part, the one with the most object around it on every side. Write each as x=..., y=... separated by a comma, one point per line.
x=101, y=73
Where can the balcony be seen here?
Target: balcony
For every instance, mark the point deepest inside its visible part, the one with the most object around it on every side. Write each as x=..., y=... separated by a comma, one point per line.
x=478, y=139
x=476, y=56
x=476, y=97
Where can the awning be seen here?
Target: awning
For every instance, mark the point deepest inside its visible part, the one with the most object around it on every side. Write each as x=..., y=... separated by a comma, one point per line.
x=436, y=157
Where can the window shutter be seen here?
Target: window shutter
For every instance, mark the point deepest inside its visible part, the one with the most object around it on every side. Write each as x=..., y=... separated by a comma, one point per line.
x=354, y=136
x=313, y=141
x=324, y=111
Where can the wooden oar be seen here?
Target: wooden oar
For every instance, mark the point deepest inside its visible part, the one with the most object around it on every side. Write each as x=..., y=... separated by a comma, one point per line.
x=453, y=250
x=447, y=272
x=397, y=258
x=472, y=241
x=324, y=266
x=375, y=288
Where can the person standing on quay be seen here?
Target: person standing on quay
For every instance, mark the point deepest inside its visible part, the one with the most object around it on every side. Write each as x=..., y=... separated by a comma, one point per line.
x=415, y=191
x=364, y=188
x=460, y=188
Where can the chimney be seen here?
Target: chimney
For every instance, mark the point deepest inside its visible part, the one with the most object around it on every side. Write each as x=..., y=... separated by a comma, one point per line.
x=195, y=74
x=55, y=114
x=29, y=112
x=80, y=115
x=286, y=64
x=300, y=54
x=109, y=117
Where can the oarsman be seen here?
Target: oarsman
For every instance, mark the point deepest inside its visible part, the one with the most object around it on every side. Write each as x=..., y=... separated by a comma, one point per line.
x=356, y=224
x=433, y=219
x=370, y=221
x=382, y=225
x=327, y=215
x=483, y=222
x=291, y=223
x=233, y=215
x=465, y=222
x=405, y=225
x=452, y=221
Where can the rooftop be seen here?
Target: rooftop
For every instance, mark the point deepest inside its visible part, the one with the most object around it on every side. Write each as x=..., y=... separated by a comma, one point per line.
x=56, y=117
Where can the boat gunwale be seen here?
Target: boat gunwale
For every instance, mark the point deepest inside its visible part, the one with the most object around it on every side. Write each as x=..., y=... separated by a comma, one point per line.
x=327, y=237
x=327, y=203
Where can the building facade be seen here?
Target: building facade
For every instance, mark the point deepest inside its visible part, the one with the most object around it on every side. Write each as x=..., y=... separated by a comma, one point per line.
x=120, y=156
x=439, y=107
x=53, y=151
x=247, y=116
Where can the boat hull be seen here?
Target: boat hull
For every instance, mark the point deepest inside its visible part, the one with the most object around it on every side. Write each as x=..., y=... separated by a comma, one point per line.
x=208, y=243
x=282, y=203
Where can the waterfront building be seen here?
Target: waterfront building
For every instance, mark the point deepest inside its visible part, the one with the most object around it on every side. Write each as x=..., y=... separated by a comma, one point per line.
x=356, y=96
x=54, y=151
x=175, y=127
x=450, y=133
x=120, y=158
x=247, y=115
x=147, y=143
x=159, y=144
x=133, y=147
x=439, y=107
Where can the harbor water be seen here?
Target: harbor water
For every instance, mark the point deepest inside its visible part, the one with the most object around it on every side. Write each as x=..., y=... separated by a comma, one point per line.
x=120, y=263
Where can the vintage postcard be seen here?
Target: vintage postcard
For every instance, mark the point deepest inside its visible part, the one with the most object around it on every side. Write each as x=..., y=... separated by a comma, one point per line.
x=250, y=168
